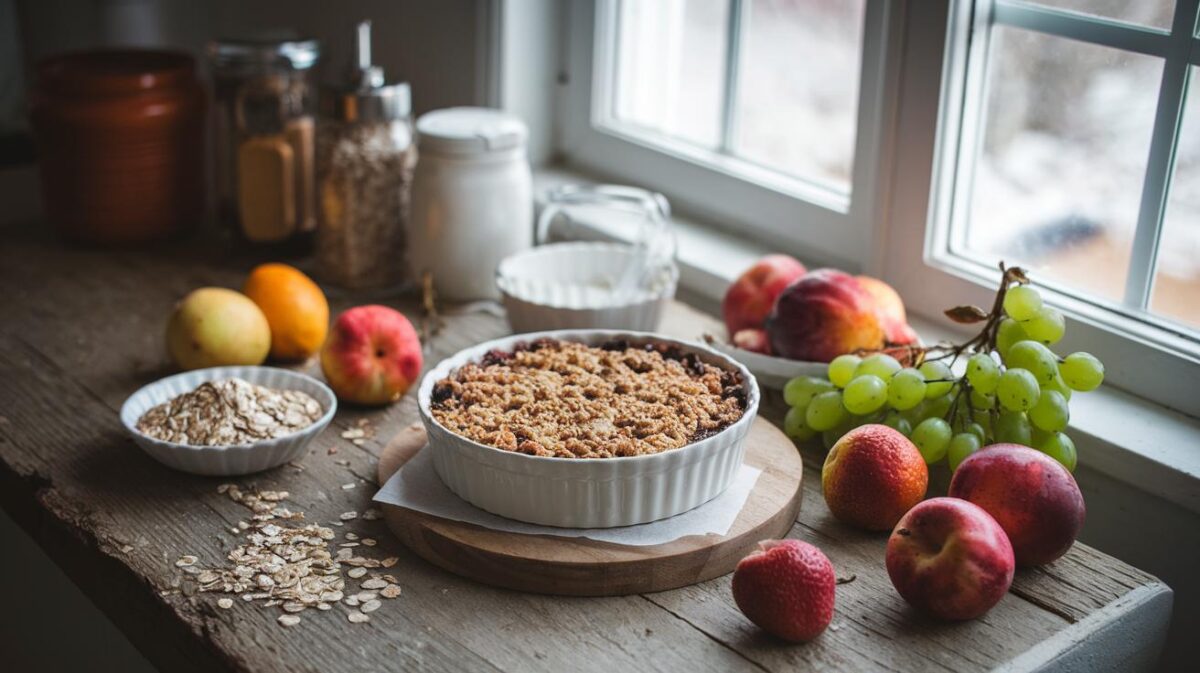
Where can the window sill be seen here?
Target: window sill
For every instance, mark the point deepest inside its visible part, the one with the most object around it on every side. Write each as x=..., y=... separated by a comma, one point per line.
x=1118, y=434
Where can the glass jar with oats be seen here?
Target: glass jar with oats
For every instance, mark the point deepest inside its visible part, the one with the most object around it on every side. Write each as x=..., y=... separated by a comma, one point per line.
x=365, y=159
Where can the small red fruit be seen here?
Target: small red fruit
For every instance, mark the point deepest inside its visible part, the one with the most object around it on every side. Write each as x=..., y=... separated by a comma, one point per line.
x=786, y=588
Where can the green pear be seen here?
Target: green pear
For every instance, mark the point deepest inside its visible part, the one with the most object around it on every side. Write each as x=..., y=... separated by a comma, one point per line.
x=214, y=327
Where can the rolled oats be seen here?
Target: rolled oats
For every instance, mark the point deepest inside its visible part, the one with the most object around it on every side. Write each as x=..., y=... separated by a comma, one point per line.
x=290, y=566
x=230, y=411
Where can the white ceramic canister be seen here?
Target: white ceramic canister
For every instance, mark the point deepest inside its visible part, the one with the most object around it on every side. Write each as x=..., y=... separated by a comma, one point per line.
x=472, y=201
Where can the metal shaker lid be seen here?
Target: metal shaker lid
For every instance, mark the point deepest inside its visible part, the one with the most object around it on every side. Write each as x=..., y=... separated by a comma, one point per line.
x=366, y=97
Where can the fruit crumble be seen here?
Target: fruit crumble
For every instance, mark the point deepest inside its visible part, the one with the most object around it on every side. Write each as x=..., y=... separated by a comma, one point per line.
x=569, y=400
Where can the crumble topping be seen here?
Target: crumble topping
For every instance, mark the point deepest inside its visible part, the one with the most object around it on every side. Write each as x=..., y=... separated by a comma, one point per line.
x=569, y=400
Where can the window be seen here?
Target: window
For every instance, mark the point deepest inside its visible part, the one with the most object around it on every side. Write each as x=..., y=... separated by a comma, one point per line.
x=762, y=115
x=924, y=142
x=1065, y=145
x=736, y=78
x=1079, y=134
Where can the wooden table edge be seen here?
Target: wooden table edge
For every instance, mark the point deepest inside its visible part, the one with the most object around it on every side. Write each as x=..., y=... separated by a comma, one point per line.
x=1106, y=639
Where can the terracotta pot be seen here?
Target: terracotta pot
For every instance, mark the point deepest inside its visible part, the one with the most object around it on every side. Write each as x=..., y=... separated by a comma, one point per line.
x=120, y=144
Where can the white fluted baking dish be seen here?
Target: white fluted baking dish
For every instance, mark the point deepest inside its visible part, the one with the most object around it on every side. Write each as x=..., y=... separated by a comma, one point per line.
x=587, y=493
x=231, y=459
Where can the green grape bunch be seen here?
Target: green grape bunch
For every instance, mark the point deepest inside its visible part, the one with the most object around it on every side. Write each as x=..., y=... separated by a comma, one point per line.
x=1003, y=385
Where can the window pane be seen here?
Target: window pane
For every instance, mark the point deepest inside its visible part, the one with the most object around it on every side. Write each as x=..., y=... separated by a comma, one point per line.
x=798, y=91
x=1059, y=177
x=1177, y=279
x=1146, y=12
x=671, y=67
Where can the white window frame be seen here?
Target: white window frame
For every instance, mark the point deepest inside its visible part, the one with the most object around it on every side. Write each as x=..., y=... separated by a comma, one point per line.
x=821, y=223
x=896, y=222
x=1142, y=355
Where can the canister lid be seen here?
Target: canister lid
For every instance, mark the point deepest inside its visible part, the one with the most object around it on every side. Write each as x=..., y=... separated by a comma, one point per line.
x=469, y=130
x=295, y=52
x=115, y=71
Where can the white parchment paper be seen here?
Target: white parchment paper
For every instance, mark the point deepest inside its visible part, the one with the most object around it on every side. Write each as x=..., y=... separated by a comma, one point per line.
x=416, y=486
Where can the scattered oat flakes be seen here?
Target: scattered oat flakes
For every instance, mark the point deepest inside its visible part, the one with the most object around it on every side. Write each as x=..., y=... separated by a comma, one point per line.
x=186, y=561
x=374, y=583
x=289, y=620
x=347, y=516
x=352, y=601
x=357, y=617
x=348, y=544
x=364, y=596
x=356, y=573
x=370, y=606
x=390, y=591
x=225, y=603
x=347, y=487
x=370, y=542
x=389, y=561
x=343, y=463
x=351, y=535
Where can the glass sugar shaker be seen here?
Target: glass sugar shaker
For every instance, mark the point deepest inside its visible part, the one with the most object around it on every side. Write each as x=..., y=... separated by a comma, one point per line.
x=365, y=159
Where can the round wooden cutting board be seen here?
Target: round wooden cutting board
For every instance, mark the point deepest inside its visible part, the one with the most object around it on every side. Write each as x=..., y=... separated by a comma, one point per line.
x=581, y=567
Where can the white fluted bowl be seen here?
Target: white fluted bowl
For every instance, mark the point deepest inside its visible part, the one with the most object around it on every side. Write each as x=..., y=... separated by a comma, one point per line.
x=231, y=459
x=587, y=492
x=568, y=286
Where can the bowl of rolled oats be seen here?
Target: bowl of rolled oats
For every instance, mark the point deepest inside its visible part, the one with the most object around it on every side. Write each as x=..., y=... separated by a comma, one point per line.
x=228, y=420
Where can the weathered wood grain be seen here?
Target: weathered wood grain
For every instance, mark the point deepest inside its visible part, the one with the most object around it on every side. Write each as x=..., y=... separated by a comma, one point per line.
x=80, y=330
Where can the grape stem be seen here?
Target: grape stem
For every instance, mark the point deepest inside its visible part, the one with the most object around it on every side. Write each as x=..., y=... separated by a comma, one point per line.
x=983, y=342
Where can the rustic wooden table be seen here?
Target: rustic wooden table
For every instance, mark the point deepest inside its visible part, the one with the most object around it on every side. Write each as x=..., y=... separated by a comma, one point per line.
x=82, y=330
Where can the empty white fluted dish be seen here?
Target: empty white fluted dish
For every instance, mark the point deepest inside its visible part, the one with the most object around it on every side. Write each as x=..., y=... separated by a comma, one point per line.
x=571, y=286
x=232, y=459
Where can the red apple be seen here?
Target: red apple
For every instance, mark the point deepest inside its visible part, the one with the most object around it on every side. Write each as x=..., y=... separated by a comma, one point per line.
x=1032, y=496
x=949, y=558
x=748, y=301
x=822, y=315
x=786, y=588
x=372, y=355
x=892, y=316
x=752, y=339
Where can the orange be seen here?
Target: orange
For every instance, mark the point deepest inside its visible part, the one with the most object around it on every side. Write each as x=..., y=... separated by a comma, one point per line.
x=295, y=307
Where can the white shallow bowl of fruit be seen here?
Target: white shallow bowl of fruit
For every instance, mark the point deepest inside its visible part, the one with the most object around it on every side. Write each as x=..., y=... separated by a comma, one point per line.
x=784, y=321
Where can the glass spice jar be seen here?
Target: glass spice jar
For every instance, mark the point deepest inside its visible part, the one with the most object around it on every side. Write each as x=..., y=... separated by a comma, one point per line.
x=365, y=159
x=265, y=137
